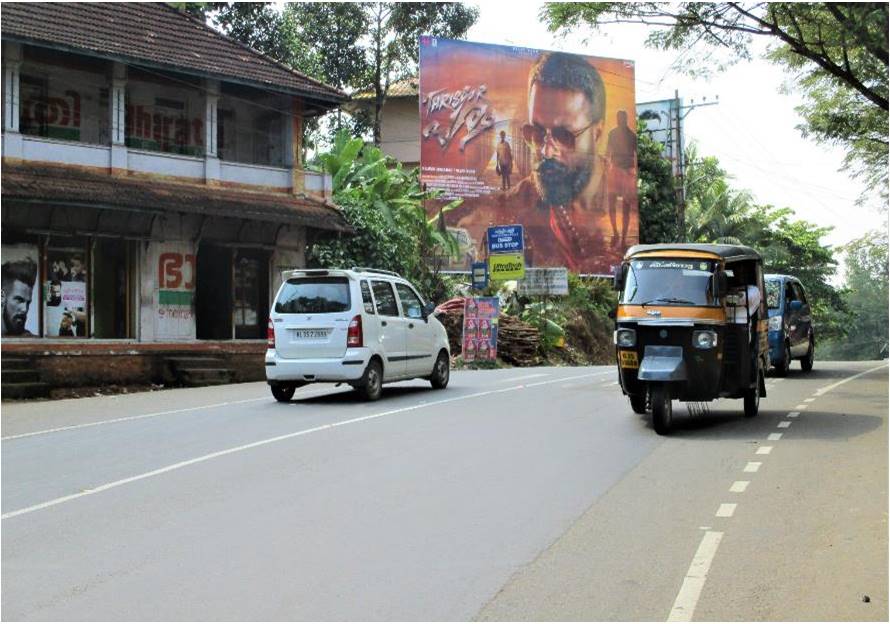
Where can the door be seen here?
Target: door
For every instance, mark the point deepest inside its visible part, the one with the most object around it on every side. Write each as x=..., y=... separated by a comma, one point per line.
x=800, y=341
x=213, y=293
x=391, y=330
x=251, y=308
x=419, y=335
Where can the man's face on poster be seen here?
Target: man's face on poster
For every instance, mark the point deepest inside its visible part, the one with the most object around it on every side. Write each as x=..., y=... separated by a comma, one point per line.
x=564, y=142
x=16, y=303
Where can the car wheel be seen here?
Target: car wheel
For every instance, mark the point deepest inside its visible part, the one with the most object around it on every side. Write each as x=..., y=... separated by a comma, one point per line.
x=638, y=403
x=752, y=398
x=662, y=413
x=441, y=372
x=806, y=364
x=283, y=392
x=784, y=366
x=371, y=385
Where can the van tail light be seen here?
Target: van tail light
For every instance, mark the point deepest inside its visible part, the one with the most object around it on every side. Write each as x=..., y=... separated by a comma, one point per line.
x=355, y=337
x=270, y=335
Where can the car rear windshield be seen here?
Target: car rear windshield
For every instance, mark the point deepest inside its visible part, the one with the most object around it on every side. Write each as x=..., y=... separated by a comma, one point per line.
x=314, y=295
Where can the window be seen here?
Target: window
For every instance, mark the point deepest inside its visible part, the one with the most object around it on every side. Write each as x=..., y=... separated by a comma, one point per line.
x=772, y=294
x=799, y=293
x=366, y=298
x=314, y=295
x=411, y=304
x=386, y=298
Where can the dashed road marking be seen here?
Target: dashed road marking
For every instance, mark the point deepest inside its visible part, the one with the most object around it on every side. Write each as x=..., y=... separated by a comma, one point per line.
x=774, y=436
x=752, y=466
x=784, y=424
x=793, y=414
x=726, y=510
x=801, y=407
x=739, y=486
x=690, y=591
x=764, y=450
x=810, y=400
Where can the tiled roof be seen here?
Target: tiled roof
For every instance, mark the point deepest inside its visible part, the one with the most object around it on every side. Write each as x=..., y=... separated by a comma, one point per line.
x=402, y=88
x=64, y=185
x=156, y=34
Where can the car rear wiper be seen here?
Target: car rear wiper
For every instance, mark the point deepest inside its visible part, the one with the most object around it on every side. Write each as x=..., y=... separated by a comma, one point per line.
x=667, y=300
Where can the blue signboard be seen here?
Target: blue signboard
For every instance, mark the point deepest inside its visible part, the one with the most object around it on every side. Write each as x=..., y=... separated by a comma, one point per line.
x=505, y=239
x=480, y=275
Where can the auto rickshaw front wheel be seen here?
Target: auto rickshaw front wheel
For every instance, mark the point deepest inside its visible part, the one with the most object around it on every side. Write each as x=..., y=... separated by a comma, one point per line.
x=662, y=414
x=752, y=397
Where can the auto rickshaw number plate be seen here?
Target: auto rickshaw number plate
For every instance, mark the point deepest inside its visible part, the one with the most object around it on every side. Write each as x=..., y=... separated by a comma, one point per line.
x=628, y=359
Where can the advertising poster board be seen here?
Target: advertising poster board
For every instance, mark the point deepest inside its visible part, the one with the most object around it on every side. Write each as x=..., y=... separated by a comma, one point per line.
x=173, y=273
x=541, y=139
x=480, y=335
x=662, y=119
x=544, y=282
x=21, y=290
x=66, y=293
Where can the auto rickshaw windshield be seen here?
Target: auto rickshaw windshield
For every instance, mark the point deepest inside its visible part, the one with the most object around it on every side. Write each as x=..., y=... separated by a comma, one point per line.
x=666, y=281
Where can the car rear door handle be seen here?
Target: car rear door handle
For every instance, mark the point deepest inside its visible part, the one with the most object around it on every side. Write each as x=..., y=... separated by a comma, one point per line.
x=383, y=323
x=410, y=325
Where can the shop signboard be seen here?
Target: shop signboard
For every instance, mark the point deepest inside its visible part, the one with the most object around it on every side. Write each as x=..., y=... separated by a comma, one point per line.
x=539, y=281
x=487, y=116
x=21, y=291
x=480, y=331
x=173, y=269
x=66, y=293
x=506, y=267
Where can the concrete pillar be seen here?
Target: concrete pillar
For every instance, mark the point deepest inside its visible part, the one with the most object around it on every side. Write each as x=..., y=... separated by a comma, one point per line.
x=13, y=146
x=118, y=112
x=298, y=180
x=211, y=154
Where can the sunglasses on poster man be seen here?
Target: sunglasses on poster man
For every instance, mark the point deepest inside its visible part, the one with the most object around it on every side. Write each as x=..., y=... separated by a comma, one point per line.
x=536, y=135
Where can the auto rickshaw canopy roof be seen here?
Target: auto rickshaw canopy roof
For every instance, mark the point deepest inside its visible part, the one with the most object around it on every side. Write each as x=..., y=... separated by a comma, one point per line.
x=729, y=253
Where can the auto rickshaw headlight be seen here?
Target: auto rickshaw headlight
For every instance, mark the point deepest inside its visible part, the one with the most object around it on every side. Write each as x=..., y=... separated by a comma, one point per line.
x=775, y=322
x=626, y=337
x=704, y=339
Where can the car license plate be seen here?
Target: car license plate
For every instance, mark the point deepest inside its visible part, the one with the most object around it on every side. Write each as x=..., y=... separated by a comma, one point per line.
x=628, y=359
x=310, y=333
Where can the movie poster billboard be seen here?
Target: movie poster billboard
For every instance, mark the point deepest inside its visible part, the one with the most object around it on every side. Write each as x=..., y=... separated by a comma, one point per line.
x=480, y=331
x=21, y=290
x=662, y=119
x=541, y=139
x=66, y=293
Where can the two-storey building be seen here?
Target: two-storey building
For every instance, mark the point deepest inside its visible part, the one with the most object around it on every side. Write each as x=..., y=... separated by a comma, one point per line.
x=152, y=190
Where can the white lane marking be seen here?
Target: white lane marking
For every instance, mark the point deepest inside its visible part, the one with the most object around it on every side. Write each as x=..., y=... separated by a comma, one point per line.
x=690, y=591
x=551, y=381
x=825, y=389
x=801, y=407
x=244, y=447
x=777, y=380
x=752, y=466
x=764, y=450
x=739, y=486
x=784, y=424
x=773, y=437
x=793, y=414
x=810, y=400
x=128, y=418
x=536, y=375
x=726, y=510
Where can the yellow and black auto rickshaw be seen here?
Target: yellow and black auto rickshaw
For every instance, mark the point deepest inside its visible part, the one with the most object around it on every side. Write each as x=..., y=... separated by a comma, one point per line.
x=690, y=325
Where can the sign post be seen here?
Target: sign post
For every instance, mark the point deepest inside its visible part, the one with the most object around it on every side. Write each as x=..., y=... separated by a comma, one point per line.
x=506, y=256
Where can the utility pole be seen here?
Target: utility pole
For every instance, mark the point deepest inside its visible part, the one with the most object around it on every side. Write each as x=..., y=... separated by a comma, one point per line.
x=679, y=114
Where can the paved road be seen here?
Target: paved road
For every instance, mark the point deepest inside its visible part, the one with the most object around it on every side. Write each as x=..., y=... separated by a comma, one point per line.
x=515, y=494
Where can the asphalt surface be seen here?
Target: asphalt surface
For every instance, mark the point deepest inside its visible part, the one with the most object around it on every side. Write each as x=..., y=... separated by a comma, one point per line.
x=515, y=494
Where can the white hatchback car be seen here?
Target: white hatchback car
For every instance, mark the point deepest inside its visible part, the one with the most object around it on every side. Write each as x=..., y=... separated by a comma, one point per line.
x=364, y=327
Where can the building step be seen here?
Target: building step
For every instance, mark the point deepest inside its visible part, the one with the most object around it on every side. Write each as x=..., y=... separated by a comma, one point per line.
x=20, y=376
x=15, y=363
x=24, y=390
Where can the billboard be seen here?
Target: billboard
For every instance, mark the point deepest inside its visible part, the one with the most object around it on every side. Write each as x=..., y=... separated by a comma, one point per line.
x=541, y=139
x=664, y=124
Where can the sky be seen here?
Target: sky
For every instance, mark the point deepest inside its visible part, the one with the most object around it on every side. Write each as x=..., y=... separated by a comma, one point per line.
x=751, y=130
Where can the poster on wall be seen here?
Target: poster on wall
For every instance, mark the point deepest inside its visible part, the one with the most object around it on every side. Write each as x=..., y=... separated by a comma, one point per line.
x=173, y=270
x=20, y=294
x=480, y=331
x=65, y=293
x=541, y=139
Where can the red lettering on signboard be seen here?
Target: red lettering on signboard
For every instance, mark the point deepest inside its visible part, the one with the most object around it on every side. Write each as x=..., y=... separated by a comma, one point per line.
x=170, y=270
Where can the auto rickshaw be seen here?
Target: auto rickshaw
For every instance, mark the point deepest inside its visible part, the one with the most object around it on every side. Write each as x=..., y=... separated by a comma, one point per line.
x=690, y=325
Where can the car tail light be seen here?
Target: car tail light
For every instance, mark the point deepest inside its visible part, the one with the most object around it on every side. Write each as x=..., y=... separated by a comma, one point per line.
x=354, y=337
x=270, y=335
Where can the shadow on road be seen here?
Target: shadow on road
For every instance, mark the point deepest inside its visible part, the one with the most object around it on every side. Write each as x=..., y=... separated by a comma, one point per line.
x=346, y=395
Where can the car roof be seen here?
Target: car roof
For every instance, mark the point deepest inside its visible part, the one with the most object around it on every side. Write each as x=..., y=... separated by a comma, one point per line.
x=353, y=273
x=731, y=253
x=780, y=277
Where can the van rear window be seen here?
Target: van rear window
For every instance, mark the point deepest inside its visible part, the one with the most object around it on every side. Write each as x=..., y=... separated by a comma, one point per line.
x=314, y=295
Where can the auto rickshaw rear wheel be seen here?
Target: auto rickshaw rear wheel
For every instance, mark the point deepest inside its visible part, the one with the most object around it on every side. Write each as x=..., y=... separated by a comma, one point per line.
x=662, y=413
x=752, y=397
x=638, y=403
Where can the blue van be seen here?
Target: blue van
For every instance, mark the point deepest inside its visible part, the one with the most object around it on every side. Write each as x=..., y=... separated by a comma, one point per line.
x=791, y=329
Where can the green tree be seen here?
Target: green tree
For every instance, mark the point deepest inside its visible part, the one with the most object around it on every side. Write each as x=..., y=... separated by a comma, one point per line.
x=837, y=53
x=657, y=201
